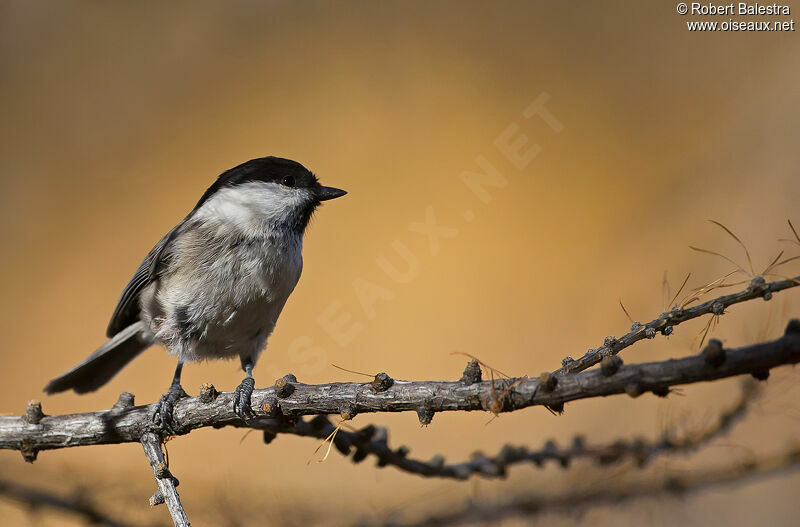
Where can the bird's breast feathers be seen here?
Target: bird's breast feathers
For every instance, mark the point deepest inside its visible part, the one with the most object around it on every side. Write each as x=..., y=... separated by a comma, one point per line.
x=221, y=294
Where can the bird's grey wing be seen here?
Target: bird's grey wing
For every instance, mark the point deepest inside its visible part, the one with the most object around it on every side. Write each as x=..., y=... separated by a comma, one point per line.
x=127, y=310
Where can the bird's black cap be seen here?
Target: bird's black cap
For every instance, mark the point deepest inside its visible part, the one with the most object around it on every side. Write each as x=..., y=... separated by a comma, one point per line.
x=271, y=169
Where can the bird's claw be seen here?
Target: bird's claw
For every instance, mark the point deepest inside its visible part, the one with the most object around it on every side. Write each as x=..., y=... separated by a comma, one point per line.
x=163, y=414
x=241, y=399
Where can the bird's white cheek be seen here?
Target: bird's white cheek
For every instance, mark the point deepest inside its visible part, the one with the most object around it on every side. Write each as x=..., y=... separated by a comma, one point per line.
x=250, y=206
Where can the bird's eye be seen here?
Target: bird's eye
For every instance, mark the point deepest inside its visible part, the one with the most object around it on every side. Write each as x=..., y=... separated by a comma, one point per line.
x=288, y=181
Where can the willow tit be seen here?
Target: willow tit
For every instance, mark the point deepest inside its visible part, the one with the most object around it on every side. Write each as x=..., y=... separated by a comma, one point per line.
x=214, y=286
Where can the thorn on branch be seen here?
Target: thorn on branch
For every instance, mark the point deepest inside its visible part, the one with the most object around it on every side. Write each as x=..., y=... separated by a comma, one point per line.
x=283, y=386
x=757, y=283
x=382, y=383
x=567, y=362
x=347, y=412
x=156, y=499
x=472, y=373
x=33, y=413
x=29, y=453
x=662, y=391
x=548, y=381
x=761, y=375
x=437, y=461
x=124, y=402
x=208, y=393
x=634, y=389
x=162, y=471
x=271, y=407
x=425, y=416
x=610, y=365
x=165, y=481
x=793, y=327
x=713, y=354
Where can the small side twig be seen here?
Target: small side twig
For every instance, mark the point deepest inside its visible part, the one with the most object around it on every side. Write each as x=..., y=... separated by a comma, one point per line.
x=664, y=323
x=167, y=492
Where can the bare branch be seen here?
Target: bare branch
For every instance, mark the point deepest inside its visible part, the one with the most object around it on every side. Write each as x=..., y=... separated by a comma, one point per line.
x=77, y=504
x=758, y=288
x=166, y=482
x=291, y=399
x=373, y=441
x=676, y=484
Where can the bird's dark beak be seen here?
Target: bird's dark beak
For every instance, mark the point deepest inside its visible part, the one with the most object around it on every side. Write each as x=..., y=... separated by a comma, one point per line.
x=326, y=193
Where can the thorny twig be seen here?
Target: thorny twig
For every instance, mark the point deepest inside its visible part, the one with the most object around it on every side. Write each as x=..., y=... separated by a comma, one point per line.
x=165, y=481
x=373, y=441
x=290, y=399
x=758, y=288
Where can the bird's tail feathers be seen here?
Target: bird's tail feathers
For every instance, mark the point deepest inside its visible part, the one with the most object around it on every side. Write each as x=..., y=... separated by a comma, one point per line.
x=101, y=366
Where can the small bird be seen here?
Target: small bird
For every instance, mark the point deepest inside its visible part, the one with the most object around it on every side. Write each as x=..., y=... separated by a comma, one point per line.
x=214, y=286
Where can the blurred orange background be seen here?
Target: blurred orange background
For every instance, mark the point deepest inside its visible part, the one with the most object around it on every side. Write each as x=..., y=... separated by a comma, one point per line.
x=117, y=116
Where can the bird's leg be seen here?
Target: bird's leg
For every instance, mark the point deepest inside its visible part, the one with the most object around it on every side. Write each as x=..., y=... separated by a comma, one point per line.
x=162, y=415
x=241, y=397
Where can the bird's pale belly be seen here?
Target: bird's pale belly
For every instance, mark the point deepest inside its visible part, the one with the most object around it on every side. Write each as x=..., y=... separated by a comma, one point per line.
x=225, y=311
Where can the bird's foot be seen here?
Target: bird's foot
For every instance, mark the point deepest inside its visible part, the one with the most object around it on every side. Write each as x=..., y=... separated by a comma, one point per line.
x=163, y=414
x=241, y=398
